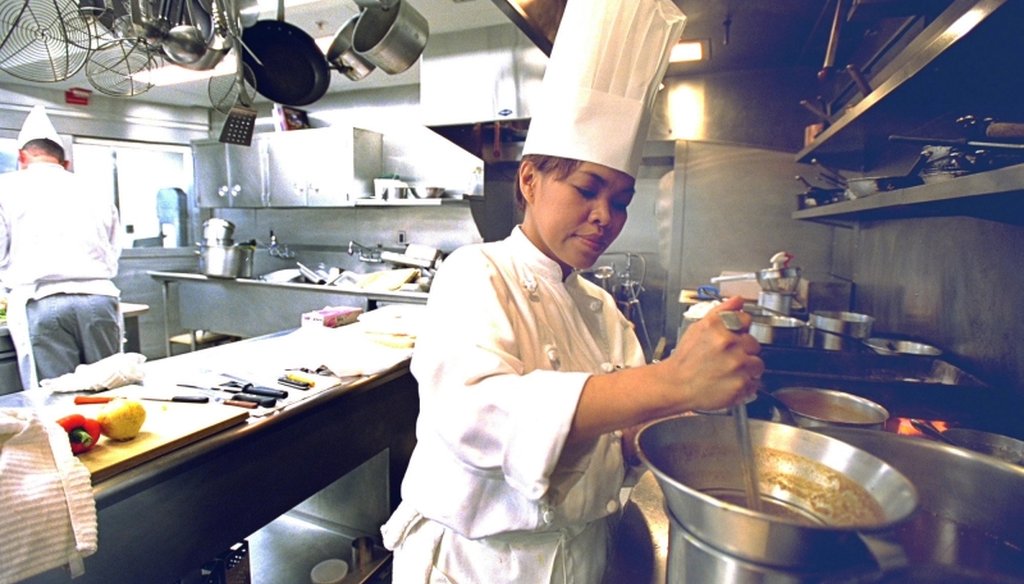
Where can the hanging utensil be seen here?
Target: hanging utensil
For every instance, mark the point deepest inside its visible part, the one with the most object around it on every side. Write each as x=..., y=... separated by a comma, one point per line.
x=833, y=43
x=241, y=121
x=184, y=43
x=45, y=42
x=288, y=66
x=391, y=34
x=116, y=67
x=343, y=58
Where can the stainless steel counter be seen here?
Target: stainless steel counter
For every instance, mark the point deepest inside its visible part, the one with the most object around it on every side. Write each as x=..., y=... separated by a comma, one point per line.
x=249, y=308
x=165, y=518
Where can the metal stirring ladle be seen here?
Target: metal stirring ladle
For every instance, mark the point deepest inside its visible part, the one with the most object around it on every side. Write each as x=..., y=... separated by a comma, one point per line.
x=739, y=414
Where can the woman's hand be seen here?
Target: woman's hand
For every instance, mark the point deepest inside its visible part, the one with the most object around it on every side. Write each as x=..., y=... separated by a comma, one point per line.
x=712, y=367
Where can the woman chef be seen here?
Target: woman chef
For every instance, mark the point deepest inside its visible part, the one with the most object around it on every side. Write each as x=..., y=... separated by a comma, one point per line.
x=529, y=376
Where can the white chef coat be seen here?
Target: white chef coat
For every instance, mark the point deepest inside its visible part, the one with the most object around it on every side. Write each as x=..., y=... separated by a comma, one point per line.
x=58, y=235
x=491, y=493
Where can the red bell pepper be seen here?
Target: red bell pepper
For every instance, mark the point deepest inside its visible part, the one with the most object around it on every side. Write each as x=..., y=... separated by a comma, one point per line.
x=83, y=432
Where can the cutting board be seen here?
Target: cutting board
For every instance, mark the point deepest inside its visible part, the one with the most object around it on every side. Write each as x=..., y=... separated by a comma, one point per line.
x=168, y=426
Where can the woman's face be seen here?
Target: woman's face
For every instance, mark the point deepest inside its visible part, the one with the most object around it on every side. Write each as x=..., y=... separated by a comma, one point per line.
x=574, y=219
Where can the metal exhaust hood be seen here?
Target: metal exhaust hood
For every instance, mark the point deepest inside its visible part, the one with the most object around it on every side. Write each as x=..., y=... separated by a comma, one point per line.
x=538, y=19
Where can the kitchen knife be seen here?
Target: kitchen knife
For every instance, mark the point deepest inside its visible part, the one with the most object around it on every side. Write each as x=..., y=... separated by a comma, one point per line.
x=102, y=399
x=228, y=402
x=239, y=387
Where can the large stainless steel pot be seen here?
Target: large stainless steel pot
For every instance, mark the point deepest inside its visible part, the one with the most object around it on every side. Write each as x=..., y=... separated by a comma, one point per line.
x=226, y=261
x=970, y=514
x=817, y=492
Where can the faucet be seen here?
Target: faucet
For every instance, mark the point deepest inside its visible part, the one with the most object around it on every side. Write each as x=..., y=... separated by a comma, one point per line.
x=278, y=250
x=365, y=254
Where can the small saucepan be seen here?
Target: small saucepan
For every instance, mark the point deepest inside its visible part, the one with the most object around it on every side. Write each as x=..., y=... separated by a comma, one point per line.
x=814, y=407
x=343, y=58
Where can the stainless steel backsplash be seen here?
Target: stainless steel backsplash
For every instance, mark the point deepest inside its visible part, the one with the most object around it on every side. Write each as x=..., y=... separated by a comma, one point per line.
x=953, y=281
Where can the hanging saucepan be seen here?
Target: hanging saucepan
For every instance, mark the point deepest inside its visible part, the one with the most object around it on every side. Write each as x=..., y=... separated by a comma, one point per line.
x=287, y=65
x=342, y=57
x=391, y=38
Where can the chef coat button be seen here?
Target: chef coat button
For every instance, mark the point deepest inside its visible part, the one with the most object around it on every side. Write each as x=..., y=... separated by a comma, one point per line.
x=548, y=515
x=612, y=506
x=595, y=306
x=607, y=367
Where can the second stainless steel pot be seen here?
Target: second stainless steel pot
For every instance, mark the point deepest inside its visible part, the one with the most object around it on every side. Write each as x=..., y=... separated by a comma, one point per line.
x=226, y=261
x=780, y=330
x=814, y=407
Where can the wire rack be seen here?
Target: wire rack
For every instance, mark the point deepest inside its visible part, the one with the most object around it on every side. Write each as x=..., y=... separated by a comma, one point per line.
x=43, y=40
x=116, y=68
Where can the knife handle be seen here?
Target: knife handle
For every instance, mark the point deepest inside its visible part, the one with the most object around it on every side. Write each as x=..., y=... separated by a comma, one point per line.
x=267, y=402
x=240, y=403
x=266, y=391
x=292, y=383
x=93, y=399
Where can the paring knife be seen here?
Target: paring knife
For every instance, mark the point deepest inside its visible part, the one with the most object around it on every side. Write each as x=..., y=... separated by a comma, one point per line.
x=102, y=399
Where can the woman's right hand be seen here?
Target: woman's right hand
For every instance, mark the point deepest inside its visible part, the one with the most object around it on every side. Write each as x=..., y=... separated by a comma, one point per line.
x=711, y=367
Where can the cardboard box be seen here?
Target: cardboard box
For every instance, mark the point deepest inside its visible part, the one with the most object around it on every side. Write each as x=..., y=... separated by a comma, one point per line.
x=331, y=316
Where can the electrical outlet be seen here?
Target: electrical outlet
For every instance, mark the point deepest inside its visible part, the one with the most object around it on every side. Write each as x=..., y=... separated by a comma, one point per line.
x=401, y=237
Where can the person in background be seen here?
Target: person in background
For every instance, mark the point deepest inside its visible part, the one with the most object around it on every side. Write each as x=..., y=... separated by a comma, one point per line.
x=532, y=384
x=59, y=248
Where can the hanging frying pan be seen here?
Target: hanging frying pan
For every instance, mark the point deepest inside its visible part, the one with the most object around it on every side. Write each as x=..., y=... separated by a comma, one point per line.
x=288, y=66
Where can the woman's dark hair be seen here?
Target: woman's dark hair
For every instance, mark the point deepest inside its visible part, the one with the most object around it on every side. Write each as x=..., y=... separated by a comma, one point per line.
x=45, y=146
x=555, y=165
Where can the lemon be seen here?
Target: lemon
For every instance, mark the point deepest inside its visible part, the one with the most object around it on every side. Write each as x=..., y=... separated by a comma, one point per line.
x=121, y=419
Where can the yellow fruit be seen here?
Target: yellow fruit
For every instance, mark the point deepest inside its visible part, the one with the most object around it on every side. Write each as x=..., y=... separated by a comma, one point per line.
x=121, y=419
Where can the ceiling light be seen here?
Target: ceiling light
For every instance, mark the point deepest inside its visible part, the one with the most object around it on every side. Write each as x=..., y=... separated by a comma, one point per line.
x=173, y=74
x=687, y=51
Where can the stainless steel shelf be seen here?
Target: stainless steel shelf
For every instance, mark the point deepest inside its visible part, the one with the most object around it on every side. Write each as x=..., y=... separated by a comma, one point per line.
x=959, y=64
x=997, y=195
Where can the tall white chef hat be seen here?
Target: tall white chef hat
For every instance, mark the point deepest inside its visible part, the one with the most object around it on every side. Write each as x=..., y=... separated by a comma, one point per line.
x=607, y=62
x=37, y=126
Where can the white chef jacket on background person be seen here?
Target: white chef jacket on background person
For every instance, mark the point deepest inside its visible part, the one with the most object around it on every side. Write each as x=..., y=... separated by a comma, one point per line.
x=57, y=236
x=501, y=361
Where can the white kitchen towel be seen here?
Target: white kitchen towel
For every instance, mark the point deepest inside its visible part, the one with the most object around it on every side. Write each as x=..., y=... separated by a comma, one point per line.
x=49, y=512
x=114, y=371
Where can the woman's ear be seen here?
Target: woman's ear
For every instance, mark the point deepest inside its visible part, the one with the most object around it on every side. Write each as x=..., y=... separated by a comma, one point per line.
x=528, y=178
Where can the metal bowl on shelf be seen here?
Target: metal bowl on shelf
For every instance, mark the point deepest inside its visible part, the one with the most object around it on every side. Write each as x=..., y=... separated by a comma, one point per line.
x=425, y=192
x=814, y=407
x=901, y=347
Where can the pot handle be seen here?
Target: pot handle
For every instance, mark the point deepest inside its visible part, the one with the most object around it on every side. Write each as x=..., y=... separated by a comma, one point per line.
x=734, y=277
